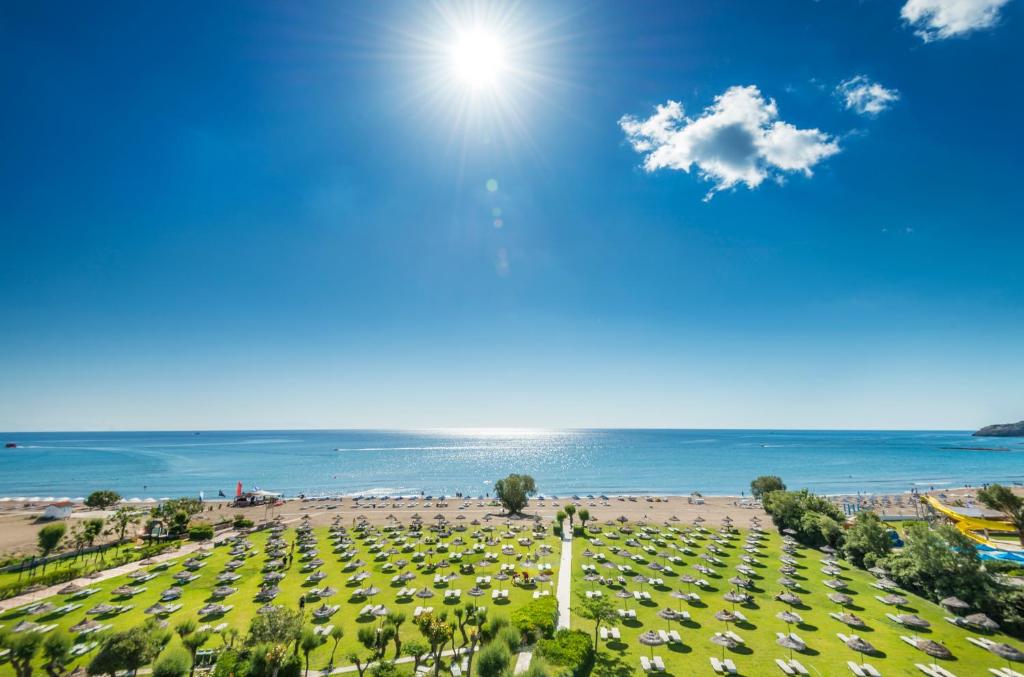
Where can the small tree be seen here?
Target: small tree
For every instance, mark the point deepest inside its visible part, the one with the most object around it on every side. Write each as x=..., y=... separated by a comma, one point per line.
x=123, y=518
x=570, y=511
x=395, y=619
x=23, y=647
x=308, y=643
x=416, y=649
x=48, y=538
x=867, y=540
x=600, y=610
x=438, y=632
x=360, y=662
x=102, y=499
x=56, y=654
x=91, y=530
x=337, y=632
x=560, y=516
x=766, y=484
x=584, y=516
x=192, y=643
x=128, y=650
x=998, y=497
x=514, y=491
x=279, y=625
x=185, y=627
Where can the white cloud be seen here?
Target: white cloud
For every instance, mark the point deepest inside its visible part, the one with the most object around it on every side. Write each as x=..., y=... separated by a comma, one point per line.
x=865, y=97
x=738, y=139
x=940, y=19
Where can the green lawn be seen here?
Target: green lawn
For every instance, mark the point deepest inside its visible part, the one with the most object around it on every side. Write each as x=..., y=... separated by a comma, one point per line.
x=338, y=570
x=825, y=653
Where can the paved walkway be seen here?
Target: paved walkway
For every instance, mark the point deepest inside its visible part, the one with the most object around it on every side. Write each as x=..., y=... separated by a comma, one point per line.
x=565, y=579
x=523, y=662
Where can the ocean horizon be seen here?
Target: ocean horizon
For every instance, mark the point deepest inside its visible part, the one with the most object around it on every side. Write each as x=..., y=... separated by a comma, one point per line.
x=446, y=461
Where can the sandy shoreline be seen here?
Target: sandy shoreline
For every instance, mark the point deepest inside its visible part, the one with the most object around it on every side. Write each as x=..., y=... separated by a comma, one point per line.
x=19, y=522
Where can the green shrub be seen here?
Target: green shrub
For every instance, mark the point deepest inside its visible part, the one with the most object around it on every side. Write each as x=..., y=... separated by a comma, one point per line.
x=200, y=532
x=536, y=618
x=510, y=637
x=570, y=650
x=494, y=660
x=230, y=664
x=242, y=522
x=175, y=662
x=493, y=626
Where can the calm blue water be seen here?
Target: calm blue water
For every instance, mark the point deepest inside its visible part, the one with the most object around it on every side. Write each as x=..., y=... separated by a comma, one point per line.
x=156, y=464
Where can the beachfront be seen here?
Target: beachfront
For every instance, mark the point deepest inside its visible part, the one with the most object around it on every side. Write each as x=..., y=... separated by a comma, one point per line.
x=674, y=586
x=19, y=520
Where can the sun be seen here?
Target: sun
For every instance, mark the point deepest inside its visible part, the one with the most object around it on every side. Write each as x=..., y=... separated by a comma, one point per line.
x=478, y=59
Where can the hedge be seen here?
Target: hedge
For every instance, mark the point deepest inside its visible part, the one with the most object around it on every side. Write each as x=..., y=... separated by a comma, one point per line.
x=200, y=532
x=536, y=618
x=570, y=651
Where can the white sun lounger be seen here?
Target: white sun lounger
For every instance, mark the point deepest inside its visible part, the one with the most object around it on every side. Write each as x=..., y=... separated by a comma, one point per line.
x=784, y=666
x=659, y=664
x=645, y=664
x=798, y=667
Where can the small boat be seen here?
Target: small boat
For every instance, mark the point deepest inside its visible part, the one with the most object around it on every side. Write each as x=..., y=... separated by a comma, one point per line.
x=11, y=445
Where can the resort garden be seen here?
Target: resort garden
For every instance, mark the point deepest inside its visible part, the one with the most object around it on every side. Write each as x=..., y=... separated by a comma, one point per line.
x=808, y=594
x=293, y=596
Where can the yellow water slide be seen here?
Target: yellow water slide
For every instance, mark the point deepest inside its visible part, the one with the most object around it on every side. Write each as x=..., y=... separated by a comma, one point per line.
x=976, y=528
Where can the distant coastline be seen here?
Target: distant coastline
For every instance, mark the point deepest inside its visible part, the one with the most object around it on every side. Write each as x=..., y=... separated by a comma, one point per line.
x=1002, y=430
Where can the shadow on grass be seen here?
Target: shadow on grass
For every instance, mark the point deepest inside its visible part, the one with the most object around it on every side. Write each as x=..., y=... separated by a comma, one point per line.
x=612, y=665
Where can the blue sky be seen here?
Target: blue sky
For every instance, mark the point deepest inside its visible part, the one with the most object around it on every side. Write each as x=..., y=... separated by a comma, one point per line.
x=267, y=215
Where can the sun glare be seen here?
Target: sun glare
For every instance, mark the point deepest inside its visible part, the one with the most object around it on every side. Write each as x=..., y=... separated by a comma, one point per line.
x=478, y=59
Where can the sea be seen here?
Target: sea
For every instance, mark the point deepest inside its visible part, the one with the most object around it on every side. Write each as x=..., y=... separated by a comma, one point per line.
x=445, y=462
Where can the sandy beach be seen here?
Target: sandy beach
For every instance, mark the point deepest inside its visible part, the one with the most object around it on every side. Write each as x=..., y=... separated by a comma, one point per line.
x=19, y=522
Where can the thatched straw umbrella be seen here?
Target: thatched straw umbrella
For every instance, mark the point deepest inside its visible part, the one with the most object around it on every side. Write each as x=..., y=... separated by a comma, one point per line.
x=840, y=598
x=789, y=598
x=913, y=621
x=668, y=615
x=726, y=617
x=724, y=641
x=954, y=603
x=933, y=648
x=788, y=642
x=861, y=646
x=982, y=622
x=853, y=620
x=651, y=639
x=1006, y=651
x=789, y=617
x=680, y=595
x=894, y=600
